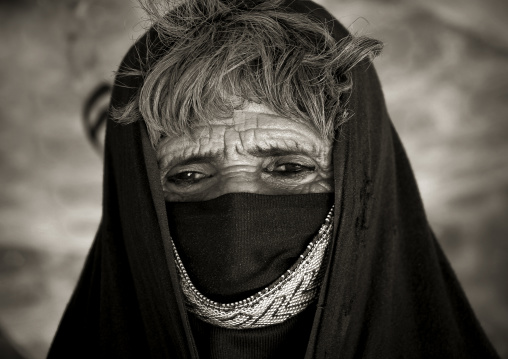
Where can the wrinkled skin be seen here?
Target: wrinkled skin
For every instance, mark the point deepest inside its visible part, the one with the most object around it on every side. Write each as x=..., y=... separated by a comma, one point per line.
x=256, y=151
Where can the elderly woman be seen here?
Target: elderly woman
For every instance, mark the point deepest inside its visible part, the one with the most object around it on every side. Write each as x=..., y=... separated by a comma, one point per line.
x=258, y=202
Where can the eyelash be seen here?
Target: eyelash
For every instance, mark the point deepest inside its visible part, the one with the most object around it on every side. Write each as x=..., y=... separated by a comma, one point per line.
x=301, y=169
x=178, y=181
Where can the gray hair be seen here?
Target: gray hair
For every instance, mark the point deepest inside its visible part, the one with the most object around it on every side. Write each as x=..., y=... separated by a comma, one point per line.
x=220, y=53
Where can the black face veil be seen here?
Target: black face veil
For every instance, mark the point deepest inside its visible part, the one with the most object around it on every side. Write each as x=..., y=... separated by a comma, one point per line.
x=388, y=290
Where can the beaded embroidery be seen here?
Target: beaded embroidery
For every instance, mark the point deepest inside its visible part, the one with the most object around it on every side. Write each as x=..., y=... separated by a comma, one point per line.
x=283, y=299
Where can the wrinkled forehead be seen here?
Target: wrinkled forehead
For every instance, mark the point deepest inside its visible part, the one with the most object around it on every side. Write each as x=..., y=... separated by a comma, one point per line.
x=250, y=115
x=255, y=121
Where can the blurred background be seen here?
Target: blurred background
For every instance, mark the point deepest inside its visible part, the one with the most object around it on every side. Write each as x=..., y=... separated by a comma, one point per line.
x=444, y=72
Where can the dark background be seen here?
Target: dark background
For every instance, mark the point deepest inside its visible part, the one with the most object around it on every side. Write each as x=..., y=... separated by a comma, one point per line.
x=444, y=73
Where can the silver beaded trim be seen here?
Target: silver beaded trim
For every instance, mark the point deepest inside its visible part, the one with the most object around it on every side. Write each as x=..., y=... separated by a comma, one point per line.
x=283, y=299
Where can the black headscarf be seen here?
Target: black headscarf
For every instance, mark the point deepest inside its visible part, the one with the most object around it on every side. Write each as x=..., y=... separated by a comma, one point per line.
x=388, y=292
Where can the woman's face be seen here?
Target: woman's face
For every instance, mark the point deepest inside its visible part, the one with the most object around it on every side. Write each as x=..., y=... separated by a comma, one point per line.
x=256, y=151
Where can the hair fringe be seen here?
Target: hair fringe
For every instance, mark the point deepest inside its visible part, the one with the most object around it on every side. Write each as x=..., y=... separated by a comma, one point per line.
x=219, y=53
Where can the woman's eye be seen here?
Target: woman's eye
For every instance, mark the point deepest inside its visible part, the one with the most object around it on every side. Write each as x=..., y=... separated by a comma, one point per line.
x=290, y=169
x=187, y=178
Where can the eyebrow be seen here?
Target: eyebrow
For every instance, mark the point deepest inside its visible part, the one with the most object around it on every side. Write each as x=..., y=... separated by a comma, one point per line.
x=182, y=160
x=276, y=151
x=271, y=150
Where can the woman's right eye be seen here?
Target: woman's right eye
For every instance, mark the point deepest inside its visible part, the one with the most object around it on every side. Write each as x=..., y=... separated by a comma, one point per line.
x=187, y=178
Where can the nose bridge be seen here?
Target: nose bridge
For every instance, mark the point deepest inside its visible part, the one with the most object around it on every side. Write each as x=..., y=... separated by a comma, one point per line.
x=233, y=145
x=241, y=178
x=241, y=187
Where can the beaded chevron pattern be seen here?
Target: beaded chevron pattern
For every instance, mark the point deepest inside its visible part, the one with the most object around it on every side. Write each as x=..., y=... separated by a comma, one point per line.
x=290, y=294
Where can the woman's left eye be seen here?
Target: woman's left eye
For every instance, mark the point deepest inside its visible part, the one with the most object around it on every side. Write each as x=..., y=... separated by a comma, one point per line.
x=291, y=169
